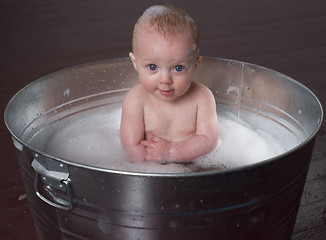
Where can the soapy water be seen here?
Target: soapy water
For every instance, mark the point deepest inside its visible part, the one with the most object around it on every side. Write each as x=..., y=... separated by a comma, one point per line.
x=92, y=138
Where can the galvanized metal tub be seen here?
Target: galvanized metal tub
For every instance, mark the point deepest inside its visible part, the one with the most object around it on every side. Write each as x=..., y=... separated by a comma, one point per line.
x=70, y=200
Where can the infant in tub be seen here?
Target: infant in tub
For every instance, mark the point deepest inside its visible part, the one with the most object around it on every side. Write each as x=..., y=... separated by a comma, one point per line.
x=167, y=116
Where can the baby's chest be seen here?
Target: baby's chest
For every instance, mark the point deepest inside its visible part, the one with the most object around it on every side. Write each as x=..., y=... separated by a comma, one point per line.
x=170, y=121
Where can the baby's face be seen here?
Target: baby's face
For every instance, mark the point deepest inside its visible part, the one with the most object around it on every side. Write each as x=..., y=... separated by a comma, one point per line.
x=165, y=65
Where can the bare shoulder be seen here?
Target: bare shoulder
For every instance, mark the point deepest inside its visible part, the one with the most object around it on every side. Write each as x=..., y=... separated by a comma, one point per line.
x=134, y=96
x=202, y=93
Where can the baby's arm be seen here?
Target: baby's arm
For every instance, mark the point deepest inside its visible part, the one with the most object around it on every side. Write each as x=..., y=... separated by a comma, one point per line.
x=132, y=126
x=203, y=142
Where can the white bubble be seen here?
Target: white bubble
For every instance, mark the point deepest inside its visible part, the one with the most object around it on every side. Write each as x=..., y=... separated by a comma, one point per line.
x=22, y=197
x=67, y=92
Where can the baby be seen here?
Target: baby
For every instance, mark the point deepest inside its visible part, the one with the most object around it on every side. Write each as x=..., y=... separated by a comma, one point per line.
x=167, y=116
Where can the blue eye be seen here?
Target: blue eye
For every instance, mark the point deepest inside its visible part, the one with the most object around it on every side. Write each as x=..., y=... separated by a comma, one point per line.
x=178, y=68
x=152, y=67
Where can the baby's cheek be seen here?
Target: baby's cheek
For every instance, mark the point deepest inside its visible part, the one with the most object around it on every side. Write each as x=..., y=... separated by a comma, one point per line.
x=184, y=87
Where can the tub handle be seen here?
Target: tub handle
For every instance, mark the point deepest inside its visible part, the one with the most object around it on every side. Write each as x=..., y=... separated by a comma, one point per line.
x=55, y=183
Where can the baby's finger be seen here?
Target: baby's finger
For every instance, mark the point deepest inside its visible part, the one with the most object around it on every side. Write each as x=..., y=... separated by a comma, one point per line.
x=147, y=143
x=149, y=151
x=149, y=157
x=154, y=138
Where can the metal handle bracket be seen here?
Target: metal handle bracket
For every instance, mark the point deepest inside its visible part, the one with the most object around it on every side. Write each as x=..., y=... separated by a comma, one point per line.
x=52, y=183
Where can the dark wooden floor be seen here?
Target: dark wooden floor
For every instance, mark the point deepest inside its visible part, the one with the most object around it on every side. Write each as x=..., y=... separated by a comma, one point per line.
x=39, y=37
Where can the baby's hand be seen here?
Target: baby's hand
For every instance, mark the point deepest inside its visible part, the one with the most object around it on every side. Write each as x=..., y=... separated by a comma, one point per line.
x=157, y=148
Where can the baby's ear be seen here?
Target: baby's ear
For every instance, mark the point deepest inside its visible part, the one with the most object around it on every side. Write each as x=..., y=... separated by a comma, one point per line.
x=133, y=59
x=198, y=60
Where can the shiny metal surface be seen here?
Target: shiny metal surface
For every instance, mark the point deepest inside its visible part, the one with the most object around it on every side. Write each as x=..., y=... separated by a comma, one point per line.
x=252, y=202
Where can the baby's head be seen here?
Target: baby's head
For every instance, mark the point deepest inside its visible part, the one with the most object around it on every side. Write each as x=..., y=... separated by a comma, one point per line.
x=168, y=21
x=165, y=51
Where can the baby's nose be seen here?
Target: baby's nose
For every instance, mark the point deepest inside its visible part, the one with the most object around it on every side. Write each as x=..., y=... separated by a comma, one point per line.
x=166, y=79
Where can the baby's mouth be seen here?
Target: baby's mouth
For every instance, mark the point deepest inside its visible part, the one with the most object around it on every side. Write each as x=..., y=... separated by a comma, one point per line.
x=167, y=92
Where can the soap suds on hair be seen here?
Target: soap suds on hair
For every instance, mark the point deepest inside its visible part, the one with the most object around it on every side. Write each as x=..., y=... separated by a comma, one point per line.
x=156, y=10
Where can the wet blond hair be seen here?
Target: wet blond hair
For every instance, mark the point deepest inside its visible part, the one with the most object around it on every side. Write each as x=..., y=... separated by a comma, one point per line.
x=167, y=20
